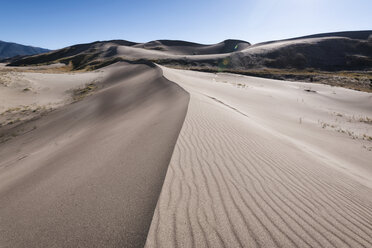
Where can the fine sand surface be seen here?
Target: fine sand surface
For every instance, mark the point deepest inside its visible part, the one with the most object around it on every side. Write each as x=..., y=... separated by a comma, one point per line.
x=239, y=161
x=265, y=163
x=89, y=174
x=18, y=88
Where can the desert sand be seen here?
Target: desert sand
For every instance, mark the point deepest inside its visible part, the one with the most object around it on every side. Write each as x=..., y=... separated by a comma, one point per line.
x=23, y=88
x=255, y=166
x=89, y=174
x=173, y=158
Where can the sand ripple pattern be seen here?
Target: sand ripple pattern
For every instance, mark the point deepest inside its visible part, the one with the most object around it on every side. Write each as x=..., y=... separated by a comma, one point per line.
x=230, y=184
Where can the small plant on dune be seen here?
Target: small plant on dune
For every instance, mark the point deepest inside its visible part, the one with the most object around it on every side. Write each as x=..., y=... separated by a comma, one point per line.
x=310, y=90
x=368, y=148
x=365, y=119
x=79, y=94
x=366, y=137
x=324, y=124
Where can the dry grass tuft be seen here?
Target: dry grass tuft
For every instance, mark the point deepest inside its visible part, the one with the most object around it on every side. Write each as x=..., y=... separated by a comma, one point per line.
x=81, y=93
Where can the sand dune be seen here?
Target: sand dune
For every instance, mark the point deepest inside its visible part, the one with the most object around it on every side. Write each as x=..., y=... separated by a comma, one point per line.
x=247, y=162
x=83, y=55
x=36, y=88
x=254, y=166
x=89, y=174
x=325, y=52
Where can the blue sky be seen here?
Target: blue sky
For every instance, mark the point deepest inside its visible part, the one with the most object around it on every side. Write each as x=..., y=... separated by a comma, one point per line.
x=56, y=24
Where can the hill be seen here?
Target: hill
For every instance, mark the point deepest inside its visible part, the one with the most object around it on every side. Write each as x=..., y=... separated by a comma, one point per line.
x=342, y=58
x=327, y=52
x=92, y=54
x=10, y=49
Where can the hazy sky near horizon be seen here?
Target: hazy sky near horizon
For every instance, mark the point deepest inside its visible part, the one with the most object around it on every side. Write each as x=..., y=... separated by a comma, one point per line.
x=57, y=24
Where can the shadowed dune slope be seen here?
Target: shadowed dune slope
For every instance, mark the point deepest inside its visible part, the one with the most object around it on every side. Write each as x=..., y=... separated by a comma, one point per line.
x=89, y=174
x=177, y=47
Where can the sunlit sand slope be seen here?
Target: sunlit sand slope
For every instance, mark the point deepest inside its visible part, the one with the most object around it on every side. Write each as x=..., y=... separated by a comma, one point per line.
x=254, y=167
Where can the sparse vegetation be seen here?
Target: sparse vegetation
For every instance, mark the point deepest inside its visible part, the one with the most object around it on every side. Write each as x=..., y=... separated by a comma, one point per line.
x=351, y=134
x=21, y=114
x=40, y=69
x=81, y=93
x=354, y=118
x=365, y=119
x=13, y=118
x=360, y=80
x=310, y=90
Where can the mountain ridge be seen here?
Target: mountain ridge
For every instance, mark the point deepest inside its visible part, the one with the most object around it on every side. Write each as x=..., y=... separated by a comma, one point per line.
x=12, y=49
x=326, y=52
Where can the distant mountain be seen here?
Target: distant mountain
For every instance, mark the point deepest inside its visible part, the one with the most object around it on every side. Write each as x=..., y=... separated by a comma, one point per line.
x=10, y=49
x=105, y=52
x=327, y=52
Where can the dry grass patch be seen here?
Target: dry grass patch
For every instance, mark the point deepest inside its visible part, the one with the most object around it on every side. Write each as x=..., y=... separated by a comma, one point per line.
x=81, y=93
x=16, y=115
x=356, y=80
